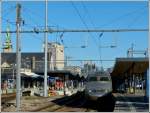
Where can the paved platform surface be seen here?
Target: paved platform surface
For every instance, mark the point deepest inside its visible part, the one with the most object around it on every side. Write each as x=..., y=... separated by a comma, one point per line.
x=130, y=103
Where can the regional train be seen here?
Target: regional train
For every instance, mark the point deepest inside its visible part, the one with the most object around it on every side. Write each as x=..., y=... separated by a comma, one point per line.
x=98, y=85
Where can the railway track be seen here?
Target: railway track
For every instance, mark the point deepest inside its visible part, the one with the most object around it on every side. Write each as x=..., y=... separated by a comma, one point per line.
x=68, y=107
x=10, y=96
x=77, y=105
x=54, y=105
x=73, y=103
x=6, y=98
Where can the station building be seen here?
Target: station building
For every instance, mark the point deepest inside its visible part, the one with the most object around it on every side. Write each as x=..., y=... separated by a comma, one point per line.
x=60, y=78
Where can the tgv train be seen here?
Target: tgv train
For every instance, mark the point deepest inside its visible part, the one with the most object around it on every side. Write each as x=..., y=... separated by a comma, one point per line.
x=97, y=85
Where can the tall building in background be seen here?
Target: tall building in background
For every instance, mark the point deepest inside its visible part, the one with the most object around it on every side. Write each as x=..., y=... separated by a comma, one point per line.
x=55, y=56
x=88, y=67
x=7, y=46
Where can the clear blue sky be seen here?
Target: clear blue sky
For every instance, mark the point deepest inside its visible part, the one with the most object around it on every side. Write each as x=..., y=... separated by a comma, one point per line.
x=101, y=15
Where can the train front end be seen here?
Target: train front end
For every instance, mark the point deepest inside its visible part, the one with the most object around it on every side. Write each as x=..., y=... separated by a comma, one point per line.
x=98, y=86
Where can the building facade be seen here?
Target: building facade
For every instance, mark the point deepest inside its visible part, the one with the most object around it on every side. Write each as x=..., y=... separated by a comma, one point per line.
x=56, y=56
x=74, y=69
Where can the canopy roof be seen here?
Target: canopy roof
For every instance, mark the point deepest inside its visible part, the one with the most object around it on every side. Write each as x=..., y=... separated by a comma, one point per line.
x=30, y=75
x=60, y=73
x=130, y=65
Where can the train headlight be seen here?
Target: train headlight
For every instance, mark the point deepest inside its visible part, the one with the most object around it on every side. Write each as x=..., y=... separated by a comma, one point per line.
x=106, y=90
x=89, y=91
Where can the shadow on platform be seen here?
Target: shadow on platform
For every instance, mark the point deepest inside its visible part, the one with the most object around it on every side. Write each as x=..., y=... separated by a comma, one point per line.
x=105, y=104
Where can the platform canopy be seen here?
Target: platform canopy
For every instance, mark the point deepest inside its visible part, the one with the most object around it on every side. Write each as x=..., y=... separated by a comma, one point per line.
x=30, y=75
x=60, y=73
x=130, y=65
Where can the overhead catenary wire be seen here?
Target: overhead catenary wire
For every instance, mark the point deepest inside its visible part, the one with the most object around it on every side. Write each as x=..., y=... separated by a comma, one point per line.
x=87, y=12
x=80, y=30
x=8, y=11
x=8, y=21
x=121, y=17
x=57, y=31
x=136, y=19
x=30, y=16
x=92, y=23
x=34, y=14
x=26, y=26
x=35, y=36
x=107, y=60
x=82, y=20
x=116, y=19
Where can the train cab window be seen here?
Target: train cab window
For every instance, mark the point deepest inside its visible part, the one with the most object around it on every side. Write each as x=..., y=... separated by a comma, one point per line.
x=93, y=79
x=104, y=79
x=98, y=78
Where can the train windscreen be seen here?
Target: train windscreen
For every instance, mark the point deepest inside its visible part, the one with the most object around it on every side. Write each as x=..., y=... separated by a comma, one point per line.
x=99, y=78
x=104, y=79
x=93, y=79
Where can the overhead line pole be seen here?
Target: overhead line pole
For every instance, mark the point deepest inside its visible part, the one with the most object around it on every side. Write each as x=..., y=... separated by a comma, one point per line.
x=78, y=30
x=148, y=77
x=18, y=58
x=0, y=47
x=45, y=63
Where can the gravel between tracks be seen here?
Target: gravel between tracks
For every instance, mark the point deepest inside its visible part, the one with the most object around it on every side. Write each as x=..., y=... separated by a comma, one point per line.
x=29, y=103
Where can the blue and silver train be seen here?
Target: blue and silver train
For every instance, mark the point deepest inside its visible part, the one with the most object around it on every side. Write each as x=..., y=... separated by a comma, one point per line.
x=98, y=85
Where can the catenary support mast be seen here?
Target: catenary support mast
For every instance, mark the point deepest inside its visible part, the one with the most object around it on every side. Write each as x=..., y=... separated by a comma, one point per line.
x=18, y=58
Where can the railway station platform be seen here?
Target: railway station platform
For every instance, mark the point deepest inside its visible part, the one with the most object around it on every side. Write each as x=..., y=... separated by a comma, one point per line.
x=130, y=76
x=60, y=82
x=130, y=103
